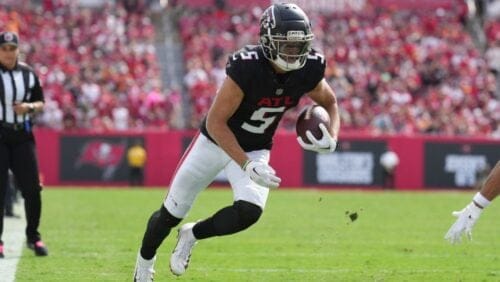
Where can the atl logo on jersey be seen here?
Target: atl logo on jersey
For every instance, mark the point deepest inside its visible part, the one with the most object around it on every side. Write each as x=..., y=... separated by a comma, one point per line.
x=276, y=101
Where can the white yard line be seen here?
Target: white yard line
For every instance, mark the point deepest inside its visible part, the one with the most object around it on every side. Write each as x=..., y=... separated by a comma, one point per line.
x=13, y=238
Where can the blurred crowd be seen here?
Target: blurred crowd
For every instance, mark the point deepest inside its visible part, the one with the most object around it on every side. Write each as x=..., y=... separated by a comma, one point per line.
x=98, y=65
x=394, y=72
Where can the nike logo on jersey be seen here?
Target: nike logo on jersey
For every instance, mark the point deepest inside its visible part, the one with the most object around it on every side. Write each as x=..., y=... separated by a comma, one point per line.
x=276, y=101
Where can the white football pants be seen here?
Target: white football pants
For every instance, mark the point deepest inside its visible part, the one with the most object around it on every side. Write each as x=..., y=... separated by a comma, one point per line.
x=201, y=163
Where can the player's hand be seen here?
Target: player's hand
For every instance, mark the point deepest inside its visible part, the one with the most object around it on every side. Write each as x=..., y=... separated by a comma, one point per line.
x=262, y=174
x=466, y=219
x=326, y=144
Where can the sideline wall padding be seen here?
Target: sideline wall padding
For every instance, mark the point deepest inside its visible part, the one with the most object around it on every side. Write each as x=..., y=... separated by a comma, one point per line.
x=98, y=159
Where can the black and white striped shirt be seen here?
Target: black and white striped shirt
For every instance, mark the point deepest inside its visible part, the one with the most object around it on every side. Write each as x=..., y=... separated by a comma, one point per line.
x=18, y=85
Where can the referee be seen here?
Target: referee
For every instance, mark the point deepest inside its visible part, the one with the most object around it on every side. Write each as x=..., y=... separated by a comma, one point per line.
x=20, y=96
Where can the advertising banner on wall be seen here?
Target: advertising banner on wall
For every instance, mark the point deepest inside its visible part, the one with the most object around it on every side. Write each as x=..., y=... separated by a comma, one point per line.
x=354, y=163
x=94, y=158
x=458, y=165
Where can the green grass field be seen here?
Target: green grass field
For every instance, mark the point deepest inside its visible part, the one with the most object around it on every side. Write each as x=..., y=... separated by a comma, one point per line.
x=94, y=235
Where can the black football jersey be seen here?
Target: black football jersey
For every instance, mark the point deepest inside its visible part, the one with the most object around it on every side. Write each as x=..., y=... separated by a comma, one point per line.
x=267, y=95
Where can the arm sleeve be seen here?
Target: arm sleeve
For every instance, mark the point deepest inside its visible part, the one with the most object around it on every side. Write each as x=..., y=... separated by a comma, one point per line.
x=317, y=73
x=235, y=70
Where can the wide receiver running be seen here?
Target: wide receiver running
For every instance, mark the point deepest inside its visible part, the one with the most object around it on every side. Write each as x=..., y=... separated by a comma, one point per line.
x=467, y=217
x=262, y=82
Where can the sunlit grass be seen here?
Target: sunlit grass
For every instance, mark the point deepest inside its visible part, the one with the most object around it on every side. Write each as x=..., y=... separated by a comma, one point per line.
x=304, y=235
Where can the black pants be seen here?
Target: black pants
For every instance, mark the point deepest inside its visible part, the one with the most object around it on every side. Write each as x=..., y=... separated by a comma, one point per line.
x=136, y=176
x=10, y=196
x=17, y=152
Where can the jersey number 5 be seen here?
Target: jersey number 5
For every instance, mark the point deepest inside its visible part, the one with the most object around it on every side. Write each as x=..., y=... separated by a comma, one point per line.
x=262, y=116
x=247, y=55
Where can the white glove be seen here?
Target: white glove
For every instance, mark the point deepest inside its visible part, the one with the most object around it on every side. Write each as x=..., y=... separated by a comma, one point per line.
x=466, y=219
x=262, y=174
x=326, y=144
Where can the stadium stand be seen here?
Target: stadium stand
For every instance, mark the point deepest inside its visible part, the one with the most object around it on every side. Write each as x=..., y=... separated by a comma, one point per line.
x=98, y=64
x=395, y=71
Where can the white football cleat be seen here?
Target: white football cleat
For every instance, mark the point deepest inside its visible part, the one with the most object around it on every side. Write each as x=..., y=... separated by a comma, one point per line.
x=180, y=256
x=144, y=269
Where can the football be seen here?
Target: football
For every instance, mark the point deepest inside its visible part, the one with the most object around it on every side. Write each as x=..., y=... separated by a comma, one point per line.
x=309, y=119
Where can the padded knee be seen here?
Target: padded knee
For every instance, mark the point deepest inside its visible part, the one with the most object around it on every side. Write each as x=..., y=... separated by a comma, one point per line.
x=229, y=220
x=248, y=213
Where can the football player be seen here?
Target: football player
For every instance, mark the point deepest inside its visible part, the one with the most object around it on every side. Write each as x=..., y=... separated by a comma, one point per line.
x=467, y=217
x=262, y=82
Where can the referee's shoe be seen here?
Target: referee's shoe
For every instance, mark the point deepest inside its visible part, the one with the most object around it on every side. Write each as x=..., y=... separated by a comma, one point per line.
x=39, y=248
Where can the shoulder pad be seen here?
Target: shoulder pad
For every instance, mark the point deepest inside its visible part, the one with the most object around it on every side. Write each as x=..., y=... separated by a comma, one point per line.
x=316, y=56
x=247, y=53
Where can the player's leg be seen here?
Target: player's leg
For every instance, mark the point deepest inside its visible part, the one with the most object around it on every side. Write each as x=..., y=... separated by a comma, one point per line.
x=200, y=164
x=196, y=170
x=249, y=201
x=159, y=225
x=25, y=169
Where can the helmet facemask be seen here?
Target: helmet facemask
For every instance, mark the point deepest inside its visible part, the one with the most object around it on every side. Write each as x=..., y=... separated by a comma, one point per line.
x=290, y=52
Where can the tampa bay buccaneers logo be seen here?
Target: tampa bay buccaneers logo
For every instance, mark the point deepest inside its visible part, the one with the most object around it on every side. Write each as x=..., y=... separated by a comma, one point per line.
x=103, y=155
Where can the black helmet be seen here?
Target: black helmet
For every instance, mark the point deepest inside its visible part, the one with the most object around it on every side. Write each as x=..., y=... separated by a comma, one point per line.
x=286, y=36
